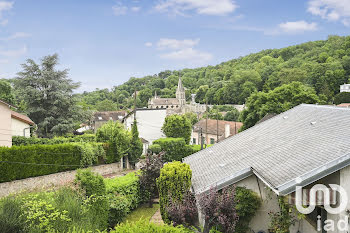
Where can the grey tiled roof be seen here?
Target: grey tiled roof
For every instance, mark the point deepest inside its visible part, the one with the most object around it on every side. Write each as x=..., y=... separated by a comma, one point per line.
x=290, y=145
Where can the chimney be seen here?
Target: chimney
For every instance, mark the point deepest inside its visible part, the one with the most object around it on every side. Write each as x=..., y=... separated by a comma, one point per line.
x=227, y=130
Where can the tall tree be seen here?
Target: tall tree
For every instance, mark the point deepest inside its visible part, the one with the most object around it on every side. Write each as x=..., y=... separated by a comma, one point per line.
x=136, y=147
x=6, y=93
x=48, y=95
x=177, y=126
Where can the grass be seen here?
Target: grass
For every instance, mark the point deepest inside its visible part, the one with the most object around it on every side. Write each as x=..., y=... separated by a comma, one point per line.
x=143, y=212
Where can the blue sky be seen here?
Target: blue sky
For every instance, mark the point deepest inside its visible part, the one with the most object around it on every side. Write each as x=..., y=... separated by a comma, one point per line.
x=105, y=42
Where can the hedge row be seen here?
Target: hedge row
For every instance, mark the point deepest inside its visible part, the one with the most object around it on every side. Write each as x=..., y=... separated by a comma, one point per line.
x=19, y=162
x=20, y=140
x=175, y=148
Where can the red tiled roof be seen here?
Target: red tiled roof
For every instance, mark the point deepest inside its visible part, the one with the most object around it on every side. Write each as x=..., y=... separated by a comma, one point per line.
x=347, y=105
x=110, y=115
x=21, y=117
x=212, y=126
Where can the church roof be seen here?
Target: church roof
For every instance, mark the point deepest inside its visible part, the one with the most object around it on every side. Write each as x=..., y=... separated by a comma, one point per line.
x=165, y=101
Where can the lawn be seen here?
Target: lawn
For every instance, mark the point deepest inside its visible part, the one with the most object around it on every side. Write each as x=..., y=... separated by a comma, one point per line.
x=142, y=211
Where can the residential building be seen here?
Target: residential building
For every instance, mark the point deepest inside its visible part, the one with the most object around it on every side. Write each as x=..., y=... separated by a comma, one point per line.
x=149, y=123
x=20, y=124
x=5, y=124
x=102, y=117
x=304, y=146
x=213, y=130
x=345, y=88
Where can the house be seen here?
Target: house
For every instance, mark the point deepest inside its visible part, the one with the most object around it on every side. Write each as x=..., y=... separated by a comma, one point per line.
x=344, y=105
x=5, y=124
x=213, y=130
x=345, y=88
x=103, y=117
x=149, y=123
x=20, y=124
x=12, y=124
x=304, y=146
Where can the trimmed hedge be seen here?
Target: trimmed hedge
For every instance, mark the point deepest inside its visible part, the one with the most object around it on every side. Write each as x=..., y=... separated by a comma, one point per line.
x=143, y=226
x=20, y=161
x=20, y=140
x=175, y=148
x=174, y=181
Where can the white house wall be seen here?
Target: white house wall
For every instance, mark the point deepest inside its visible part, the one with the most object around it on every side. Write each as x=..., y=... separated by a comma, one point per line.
x=5, y=125
x=149, y=123
x=20, y=128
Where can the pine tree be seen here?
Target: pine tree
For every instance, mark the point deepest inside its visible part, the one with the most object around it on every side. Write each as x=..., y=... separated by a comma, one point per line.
x=136, y=146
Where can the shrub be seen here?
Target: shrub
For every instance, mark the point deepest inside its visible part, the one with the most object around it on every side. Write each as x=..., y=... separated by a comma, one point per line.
x=11, y=216
x=128, y=186
x=119, y=207
x=174, y=181
x=148, y=176
x=147, y=227
x=175, y=148
x=91, y=183
x=342, y=97
x=117, y=138
x=155, y=148
x=248, y=202
x=20, y=140
x=177, y=126
x=22, y=160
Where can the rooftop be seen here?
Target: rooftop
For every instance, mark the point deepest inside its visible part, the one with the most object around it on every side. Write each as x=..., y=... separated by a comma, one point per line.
x=296, y=147
x=212, y=126
x=21, y=117
x=110, y=115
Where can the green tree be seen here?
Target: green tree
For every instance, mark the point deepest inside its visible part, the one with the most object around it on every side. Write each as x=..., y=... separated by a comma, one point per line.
x=6, y=93
x=48, y=95
x=106, y=105
x=176, y=126
x=118, y=140
x=136, y=147
x=276, y=101
x=232, y=115
x=342, y=97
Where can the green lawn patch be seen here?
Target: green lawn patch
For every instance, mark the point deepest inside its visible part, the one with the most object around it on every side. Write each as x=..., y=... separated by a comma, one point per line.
x=143, y=212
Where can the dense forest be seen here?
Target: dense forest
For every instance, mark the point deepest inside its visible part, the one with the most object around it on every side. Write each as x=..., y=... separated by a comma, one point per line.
x=322, y=65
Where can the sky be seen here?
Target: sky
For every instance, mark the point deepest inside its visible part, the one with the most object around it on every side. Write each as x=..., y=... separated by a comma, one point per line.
x=105, y=42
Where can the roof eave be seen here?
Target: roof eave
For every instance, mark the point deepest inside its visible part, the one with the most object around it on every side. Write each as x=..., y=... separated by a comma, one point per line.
x=315, y=174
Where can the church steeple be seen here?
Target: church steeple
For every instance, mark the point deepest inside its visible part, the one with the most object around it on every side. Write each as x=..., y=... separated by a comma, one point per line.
x=180, y=93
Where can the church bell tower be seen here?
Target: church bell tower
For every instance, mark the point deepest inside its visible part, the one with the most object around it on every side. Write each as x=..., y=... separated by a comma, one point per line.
x=180, y=93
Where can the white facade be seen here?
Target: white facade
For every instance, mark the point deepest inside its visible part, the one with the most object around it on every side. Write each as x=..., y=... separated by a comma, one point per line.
x=149, y=123
x=20, y=128
x=5, y=125
x=345, y=88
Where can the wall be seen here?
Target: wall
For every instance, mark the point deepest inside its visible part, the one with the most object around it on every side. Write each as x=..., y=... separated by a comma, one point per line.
x=197, y=137
x=5, y=125
x=18, y=128
x=149, y=123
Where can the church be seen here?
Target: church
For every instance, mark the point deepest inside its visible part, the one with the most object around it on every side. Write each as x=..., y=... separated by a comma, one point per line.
x=178, y=104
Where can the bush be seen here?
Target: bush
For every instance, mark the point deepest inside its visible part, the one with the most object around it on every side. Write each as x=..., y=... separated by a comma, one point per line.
x=247, y=205
x=22, y=141
x=342, y=97
x=177, y=126
x=11, y=216
x=22, y=160
x=128, y=186
x=155, y=148
x=91, y=183
x=147, y=227
x=174, y=181
x=119, y=208
x=175, y=148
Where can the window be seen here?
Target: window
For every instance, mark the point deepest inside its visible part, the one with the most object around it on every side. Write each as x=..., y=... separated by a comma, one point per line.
x=212, y=140
x=194, y=141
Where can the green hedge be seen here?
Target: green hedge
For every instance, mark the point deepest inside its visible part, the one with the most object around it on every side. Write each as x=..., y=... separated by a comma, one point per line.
x=143, y=226
x=20, y=161
x=175, y=148
x=20, y=140
x=173, y=182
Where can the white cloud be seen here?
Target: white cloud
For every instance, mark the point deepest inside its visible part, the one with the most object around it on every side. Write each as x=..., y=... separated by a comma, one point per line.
x=188, y=54
x=135, y=9
x=4, y=6
x=119, y=9
x=14, y=53
x=166, y=43
x=205, y=7
x=16, y=35
x=148, y=44
x=183, y=51
x=297, y=27
x=332, y=10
